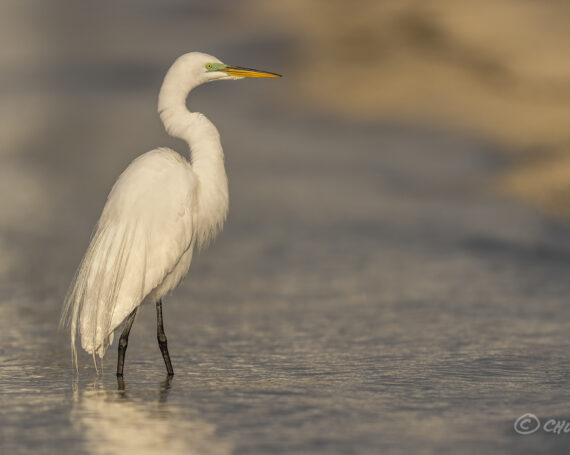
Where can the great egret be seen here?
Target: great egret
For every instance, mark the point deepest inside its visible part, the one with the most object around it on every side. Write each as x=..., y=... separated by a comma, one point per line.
x=161, y=207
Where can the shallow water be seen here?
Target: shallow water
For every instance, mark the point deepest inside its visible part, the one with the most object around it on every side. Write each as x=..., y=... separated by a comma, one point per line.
x=368, y=294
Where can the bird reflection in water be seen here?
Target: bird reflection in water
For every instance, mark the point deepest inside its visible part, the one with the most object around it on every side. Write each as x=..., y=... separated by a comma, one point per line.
x=163, y=391
x=132, y=420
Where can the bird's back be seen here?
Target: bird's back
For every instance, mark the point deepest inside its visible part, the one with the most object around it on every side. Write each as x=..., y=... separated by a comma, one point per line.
x=146, y=228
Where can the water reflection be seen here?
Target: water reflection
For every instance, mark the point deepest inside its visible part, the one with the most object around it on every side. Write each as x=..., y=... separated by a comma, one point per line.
x=164, y=388
x=118, y=422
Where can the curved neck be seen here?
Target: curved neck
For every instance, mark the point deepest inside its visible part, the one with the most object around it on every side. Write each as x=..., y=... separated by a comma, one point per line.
x=206, y=154
x=178, y=121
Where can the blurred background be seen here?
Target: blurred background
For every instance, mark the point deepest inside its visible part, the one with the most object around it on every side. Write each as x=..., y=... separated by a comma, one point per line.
x=393, y=275
x=498, y=69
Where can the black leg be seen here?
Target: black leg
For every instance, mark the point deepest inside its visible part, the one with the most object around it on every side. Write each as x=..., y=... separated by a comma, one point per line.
x=124, y=342
x=121, y=385
x=162, y=338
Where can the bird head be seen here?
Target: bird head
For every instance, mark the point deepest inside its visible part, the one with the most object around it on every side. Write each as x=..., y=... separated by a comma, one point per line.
x=203, y=68
x=219, y=70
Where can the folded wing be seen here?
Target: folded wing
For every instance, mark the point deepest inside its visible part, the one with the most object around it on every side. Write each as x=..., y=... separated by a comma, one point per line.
x=146, y=228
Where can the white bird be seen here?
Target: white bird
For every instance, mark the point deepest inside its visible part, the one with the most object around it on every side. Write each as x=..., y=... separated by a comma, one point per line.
x=161, y=207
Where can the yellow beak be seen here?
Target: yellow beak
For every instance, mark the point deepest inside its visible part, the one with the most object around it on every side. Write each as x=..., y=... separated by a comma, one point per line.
x=238, y=71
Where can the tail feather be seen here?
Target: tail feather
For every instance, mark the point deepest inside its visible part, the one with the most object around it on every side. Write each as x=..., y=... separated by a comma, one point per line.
x=100, y=284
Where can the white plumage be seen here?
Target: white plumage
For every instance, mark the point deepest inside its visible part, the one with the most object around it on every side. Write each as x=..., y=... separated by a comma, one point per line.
x=161, y=207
